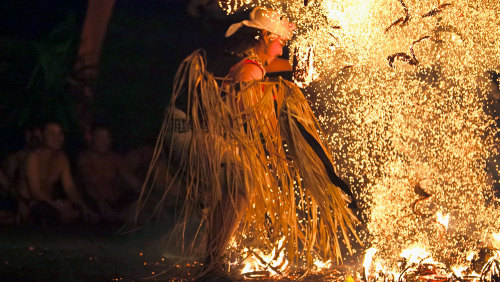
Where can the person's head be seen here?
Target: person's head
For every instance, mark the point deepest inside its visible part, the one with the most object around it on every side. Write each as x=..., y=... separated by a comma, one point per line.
x=101, y=139
x=266, y=33
x=53, y=135
x=32, y=136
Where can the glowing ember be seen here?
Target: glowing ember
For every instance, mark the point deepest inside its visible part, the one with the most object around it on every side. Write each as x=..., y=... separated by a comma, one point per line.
x=268, y=265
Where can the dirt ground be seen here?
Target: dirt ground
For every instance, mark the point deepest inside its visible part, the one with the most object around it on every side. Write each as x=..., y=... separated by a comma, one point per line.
x=91, y=253
x=80, y=253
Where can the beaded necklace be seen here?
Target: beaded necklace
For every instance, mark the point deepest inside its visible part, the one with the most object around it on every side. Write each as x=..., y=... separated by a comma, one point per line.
x=253, y=57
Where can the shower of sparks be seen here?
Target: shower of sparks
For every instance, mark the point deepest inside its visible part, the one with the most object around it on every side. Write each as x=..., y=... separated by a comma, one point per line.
x=402, y=93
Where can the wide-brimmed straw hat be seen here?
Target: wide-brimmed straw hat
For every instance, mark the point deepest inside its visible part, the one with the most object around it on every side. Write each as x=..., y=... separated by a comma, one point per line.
x=264, y=18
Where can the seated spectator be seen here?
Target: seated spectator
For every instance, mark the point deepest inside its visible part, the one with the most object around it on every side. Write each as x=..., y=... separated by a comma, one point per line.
x=8, y=205
x=4, y=182
x=15, y=165
x=46, y=168
x=105, y=175
x=139, y=160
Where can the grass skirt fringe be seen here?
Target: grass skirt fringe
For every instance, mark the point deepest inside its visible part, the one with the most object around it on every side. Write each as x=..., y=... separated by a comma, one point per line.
x=252, y=140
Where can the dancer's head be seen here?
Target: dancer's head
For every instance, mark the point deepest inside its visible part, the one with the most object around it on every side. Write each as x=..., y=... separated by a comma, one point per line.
x=265, y=33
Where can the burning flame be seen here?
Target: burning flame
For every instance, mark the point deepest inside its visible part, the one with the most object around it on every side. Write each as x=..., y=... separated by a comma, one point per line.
x=303, y=62
x=320, y=265
x=470, y=256
x=444, y=220
x=496, y=240
x=274, y=262
x=495, y=256
x=416, y=254
x=459, y=270
x=368, y=260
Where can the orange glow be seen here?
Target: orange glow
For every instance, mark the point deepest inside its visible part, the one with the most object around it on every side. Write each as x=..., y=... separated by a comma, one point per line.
x=409, y=131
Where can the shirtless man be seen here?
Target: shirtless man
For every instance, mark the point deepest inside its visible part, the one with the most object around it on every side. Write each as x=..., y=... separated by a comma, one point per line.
x=15, y=169
x=45, y=168
x=104, y=174
x=8, y=205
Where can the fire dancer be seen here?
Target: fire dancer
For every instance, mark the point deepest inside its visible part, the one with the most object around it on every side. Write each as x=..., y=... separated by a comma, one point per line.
x=249, y=154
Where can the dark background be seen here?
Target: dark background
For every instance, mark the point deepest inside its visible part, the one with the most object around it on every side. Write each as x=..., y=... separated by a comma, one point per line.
x=145, y=42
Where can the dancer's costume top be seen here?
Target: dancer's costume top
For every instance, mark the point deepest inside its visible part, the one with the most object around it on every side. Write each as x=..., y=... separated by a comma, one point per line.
x=258, y=139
